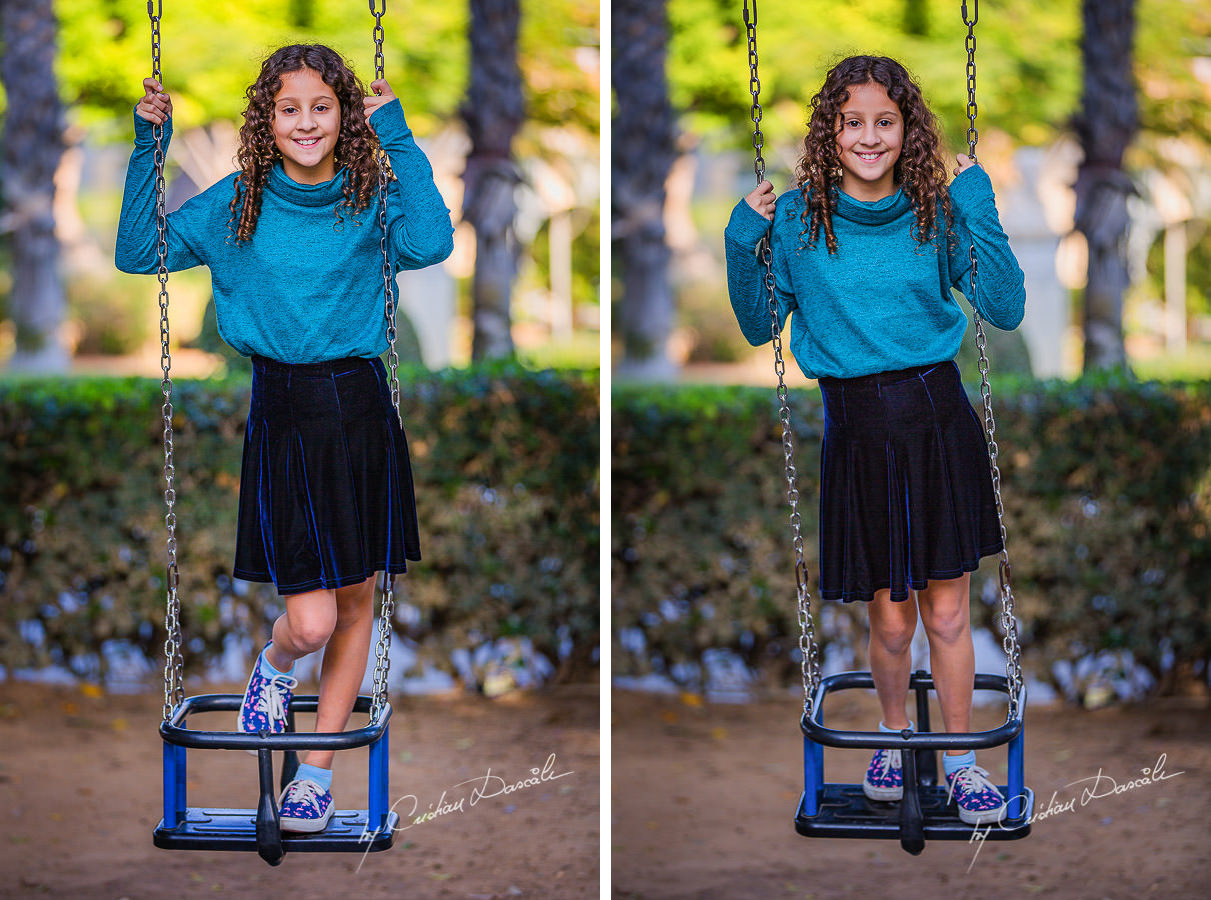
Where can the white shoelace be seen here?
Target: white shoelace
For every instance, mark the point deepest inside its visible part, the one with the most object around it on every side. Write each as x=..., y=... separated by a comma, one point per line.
x=974, y=779
x=303, y=791
x=272, y=700
x=889, y=759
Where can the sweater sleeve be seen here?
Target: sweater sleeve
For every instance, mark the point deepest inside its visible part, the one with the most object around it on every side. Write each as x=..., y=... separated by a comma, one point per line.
x=1000, y=283
x=745, y=275
x=137, y=242
x=418, y=221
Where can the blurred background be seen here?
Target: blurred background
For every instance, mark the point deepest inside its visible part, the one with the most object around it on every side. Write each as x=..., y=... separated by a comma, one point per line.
x=527, y=121
x=1136, y=131
x=500, y=343
x=1094, y=122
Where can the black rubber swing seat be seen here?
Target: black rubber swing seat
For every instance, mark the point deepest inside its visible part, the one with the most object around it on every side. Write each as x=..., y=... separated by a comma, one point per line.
x=259, y=830
x=844, y=811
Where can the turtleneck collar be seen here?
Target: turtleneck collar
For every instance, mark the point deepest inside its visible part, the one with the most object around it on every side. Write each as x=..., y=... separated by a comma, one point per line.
x=324, y=194
x=874, y=212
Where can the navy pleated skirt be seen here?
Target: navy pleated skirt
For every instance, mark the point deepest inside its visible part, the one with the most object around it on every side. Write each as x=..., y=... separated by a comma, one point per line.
x=906, y=490
x=326, y=497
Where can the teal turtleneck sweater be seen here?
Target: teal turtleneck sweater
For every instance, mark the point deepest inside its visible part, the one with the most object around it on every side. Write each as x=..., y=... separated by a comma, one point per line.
x=305, y=288
x=882, y=302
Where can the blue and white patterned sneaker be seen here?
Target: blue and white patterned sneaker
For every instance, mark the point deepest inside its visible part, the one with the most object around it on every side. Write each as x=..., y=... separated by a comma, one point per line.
x=265, y=701
x=884, y=776
x=305, y=806
x=978, y=799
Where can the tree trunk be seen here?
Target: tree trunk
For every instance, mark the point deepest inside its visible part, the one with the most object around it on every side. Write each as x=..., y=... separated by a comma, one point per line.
x=1105, y=126
x=643, y=154
x=33, y=145
x=493, y=110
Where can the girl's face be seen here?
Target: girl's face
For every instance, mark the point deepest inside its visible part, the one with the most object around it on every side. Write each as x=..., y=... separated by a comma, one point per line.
x=869, y=141
x=306, y=124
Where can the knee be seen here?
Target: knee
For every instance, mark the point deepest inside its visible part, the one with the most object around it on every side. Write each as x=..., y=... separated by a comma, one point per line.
x=893, y=637
x=948, y=626
x=312, y=631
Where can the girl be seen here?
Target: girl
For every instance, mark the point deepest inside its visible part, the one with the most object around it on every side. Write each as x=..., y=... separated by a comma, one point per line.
x=293, y=244
x=865, y=253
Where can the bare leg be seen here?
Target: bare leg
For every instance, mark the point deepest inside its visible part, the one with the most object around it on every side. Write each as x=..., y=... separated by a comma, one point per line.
x=946, y=615
x=344, y=664
x=891, y=629
x=303, y=628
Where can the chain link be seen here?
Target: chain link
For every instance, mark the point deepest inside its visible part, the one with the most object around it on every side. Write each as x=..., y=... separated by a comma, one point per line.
x=1008, y=619
x=972, y=135
x=382, y=651
x=174, y=662
x=809, y=660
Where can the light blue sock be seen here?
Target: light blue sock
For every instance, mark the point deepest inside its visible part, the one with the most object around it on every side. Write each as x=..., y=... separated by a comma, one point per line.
x=952, y=764
x=886, y=730
x=322, y=777
x=268, y=670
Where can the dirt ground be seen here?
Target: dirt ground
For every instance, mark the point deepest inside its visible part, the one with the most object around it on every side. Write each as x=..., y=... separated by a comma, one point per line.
x=80, y=795
x=704, y=798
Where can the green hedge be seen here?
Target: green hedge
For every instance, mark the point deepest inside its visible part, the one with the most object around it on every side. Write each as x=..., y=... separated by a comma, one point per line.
x=506, y=466
x=1107, y=488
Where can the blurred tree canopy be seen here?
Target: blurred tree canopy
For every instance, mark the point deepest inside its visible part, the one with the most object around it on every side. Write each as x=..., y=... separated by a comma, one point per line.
x=212, y=52
x=1028, y=62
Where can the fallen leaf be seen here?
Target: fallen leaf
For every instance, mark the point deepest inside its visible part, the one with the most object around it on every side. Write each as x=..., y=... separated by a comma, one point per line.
x=689, y=699
x=92, y=690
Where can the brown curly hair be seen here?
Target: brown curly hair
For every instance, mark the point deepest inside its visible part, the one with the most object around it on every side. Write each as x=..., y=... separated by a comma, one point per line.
x=356, y=145
x=920, y=169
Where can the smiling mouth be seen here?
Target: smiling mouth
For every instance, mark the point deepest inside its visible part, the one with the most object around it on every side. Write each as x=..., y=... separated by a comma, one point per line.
x=868, y=157
x=306, y=142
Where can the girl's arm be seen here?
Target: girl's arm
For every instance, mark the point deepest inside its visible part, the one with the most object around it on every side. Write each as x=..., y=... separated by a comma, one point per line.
x=138, y=241
x=1000, y=282
x=418, y=223
x=746, y=274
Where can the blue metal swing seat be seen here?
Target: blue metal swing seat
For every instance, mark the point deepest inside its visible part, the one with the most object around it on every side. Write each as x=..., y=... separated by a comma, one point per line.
x=844, y=811
x=203, y=828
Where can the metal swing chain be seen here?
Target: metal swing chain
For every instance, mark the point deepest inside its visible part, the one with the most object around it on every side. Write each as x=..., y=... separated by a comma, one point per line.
x=809, y=662
x=174, y=662
x=382, y=651
x=1008, y=620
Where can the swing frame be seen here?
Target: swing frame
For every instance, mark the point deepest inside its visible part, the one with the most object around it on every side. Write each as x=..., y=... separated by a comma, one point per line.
x=843, y=810
x=208, y=828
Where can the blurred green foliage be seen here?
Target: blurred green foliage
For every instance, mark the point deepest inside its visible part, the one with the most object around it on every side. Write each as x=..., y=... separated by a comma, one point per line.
x=505, y=462
x=211, y=52
x=1028, y=62
x=1107, y=491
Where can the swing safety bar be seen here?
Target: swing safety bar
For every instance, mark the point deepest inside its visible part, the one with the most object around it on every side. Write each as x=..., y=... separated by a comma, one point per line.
x=203, y=828
x=844, y=811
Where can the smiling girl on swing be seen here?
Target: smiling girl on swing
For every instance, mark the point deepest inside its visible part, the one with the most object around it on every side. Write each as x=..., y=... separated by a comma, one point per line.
x=326, y=497
x=906, y=502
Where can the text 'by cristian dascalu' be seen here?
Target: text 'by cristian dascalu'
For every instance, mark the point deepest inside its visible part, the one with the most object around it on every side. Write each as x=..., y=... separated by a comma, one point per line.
x=466, y=794
x=1096, y=787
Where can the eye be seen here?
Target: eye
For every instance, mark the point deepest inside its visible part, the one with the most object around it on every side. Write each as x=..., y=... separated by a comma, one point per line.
x=321, y=107
x=288, y=110
x=854, y=123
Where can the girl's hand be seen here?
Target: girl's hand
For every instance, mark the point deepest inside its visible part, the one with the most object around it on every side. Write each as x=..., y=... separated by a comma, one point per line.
x=156, y=106
x=965, y=163
x=762, y=199
x=382, y=95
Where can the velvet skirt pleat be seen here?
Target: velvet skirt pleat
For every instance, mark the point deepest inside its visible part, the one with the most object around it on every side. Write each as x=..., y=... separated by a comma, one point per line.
x=906, y=488
x=326, y=494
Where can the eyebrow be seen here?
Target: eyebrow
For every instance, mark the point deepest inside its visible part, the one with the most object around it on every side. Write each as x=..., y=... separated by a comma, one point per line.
x=885, y=112
x=295, y=99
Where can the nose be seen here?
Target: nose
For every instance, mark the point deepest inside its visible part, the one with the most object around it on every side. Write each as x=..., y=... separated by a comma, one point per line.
x=870, y=136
